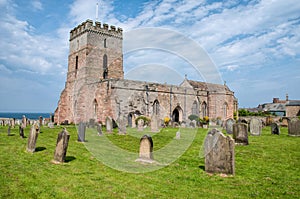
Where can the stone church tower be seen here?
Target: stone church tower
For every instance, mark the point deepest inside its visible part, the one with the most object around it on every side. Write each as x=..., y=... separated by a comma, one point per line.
x=95, y=54
x=95, y=87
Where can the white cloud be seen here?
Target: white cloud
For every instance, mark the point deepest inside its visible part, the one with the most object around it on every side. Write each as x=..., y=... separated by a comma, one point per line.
x=37, y=5
x=26, y=50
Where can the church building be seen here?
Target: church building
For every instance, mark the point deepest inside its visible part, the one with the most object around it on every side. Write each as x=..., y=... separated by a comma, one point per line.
x=96, y=89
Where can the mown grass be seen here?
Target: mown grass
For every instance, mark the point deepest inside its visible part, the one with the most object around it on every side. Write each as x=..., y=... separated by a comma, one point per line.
x=267, y=168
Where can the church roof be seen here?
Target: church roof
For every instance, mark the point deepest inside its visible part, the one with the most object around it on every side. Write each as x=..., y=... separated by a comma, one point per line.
x=207, y=86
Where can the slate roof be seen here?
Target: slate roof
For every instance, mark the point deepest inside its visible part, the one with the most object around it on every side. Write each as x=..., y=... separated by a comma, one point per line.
x=208, y=86
x=275, y=107
x=293, y=103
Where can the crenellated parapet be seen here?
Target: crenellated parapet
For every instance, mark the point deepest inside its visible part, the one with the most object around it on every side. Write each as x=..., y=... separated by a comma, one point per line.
x=89, y=26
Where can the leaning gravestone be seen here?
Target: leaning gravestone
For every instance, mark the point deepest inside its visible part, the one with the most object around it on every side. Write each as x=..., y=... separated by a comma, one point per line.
x=140, y=125
x=240, y=133
x=146, y=150
x=122, y=125
x=255, y=126
x=219, y=153
x=294, y=127
x=108, y=124
x=229, y=125
x=154, y=123
x=81, y=132
x=21, y=131
x=99, y=129
x=33, y=135
x=61, y=147
x=275, y=130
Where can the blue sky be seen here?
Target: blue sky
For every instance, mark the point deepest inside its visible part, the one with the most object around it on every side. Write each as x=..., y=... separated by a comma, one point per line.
x=255, y=45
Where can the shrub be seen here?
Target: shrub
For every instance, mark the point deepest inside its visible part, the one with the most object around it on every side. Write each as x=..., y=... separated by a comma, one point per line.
x=146, y=120
x=193, y=117
x=167, y=120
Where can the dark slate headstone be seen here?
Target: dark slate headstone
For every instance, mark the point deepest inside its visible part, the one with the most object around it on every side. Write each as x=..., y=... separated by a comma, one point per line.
x=229, y=125
x=255, y=126
x=61, y=147
x=240, y=133
x=21, y=131
x=81, y=132
x=146, y=149
x=92, y=123
x=294, y=127
x=33, y=135
x=275, y=129
x=219, y=153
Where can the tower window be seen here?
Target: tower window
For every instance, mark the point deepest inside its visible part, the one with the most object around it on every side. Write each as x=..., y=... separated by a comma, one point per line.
x=105, y=46
x=105, y=70
x=76, y=63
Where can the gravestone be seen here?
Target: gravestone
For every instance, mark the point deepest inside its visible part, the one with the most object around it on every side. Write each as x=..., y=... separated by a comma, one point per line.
x=177, y=135
x=275, y=130
x=219, y=153
x=99, y=129
x=21, y=131
x=255, y=126
x=92, y=123
x=146, y=150
x=140, y=125
x=33, y=135
x=294, y=127
x=24, y=121
x=108, y=124
x=61, y=147
x=41, y=120
x=8, y=130
x=229, y=125
x=268, y=120
x=284, y=122
x=154, y=123
x=81, y=132
x=12, y=122
x=240, y=133
x=219, y=122
x=51, y=125
x=122, y=125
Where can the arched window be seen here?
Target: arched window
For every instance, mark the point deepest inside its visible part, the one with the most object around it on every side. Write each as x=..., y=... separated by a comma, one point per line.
x=225, y=107
x=195, y=109
x=156, y=107
x=105, y=70
x=95, y=107
x=105, y=46
x=204, y=109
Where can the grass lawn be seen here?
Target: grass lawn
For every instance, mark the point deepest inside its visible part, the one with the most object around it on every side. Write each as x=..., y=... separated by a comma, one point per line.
x=269, y=167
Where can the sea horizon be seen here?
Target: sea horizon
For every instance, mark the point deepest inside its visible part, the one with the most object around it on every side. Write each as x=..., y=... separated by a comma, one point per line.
x=29, y=115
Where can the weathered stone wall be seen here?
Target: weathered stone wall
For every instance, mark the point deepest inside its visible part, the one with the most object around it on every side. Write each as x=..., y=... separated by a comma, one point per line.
x=88, y=94
x=292, y=111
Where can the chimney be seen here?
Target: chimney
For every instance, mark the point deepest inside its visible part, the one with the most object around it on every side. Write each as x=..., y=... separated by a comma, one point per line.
x=287, y=97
